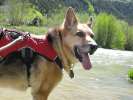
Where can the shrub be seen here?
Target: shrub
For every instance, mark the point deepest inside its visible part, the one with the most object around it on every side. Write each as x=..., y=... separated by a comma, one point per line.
x=31, y=14
x=129, y=39
x=21, y=12
x=109, y=33
x=119, y=39
x=130, y=74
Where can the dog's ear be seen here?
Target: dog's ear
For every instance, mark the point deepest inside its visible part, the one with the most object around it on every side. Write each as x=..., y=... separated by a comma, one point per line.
x=70, y=19
x=90, y=22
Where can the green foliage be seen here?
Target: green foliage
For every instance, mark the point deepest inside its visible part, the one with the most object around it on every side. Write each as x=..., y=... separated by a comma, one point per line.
x=109, y=32
x=15, y=12
x=59, y=15
x=119, y=39
x=56, y=18
x=25, y=28
x=90, y=9
x=32, y=13
x=129, y=39
x=48, y=6
x=21, y=12
x=130, y=74
x=83, y=17
x=2, y=15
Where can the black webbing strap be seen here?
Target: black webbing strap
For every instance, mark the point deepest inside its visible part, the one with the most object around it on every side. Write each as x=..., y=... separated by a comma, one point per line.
x=59, y=62
x=27, y=56
x=1, y=34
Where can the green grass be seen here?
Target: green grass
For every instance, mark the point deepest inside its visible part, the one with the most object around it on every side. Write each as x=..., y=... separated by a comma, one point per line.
x=32, y=29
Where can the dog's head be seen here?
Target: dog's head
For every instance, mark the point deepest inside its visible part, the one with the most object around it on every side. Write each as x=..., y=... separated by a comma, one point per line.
x=78, y=38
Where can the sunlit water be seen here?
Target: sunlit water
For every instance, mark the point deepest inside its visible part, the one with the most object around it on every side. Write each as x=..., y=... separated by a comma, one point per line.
x=107, y=80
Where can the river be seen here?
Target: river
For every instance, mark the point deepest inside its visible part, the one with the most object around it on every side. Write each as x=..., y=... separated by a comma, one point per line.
x=107, y=80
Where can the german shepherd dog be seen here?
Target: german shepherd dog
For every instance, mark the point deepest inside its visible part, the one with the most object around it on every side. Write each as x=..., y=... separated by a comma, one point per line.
x=73, y=42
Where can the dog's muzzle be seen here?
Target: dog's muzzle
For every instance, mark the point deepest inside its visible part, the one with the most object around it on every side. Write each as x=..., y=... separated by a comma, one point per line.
x=92, y=48
x=82, y=54
x=87, y=48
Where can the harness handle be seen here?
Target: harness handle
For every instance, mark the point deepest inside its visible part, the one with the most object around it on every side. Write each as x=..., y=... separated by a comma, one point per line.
x=20, y=38
x=24, y=34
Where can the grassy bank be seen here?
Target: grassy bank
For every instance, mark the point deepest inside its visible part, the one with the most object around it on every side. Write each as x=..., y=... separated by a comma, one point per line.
x=32, y=29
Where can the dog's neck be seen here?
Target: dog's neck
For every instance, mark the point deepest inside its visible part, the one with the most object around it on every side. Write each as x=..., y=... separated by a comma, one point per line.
x=62, y=49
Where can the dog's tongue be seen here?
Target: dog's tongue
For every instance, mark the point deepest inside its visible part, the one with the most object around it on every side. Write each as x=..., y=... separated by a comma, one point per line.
x=86, y=61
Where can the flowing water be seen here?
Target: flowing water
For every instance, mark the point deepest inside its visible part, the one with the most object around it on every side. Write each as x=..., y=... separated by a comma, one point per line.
x=107, y=80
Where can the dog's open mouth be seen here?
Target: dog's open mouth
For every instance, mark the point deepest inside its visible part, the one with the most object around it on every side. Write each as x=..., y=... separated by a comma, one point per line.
x=83, y=58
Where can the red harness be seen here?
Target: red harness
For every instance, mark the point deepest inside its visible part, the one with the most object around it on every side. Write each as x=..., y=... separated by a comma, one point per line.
x=41, y=46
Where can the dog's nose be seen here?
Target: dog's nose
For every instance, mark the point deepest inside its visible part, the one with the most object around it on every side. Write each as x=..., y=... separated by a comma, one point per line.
x=93, y=48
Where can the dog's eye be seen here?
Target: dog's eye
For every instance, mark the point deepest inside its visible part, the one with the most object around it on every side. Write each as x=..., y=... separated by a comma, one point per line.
x=80, y=34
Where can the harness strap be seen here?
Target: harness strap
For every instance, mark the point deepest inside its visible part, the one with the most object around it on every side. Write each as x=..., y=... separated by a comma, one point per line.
x=60, y=36
x=59, y=62
x=27, y=57
x=1, y=33
x=28, y=68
